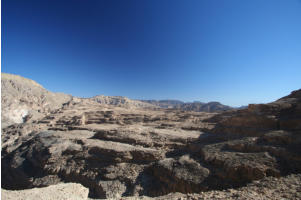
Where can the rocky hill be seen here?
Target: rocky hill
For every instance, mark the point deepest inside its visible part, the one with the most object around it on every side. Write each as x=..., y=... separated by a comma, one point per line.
x=22, y=98
x=129, y=150
x=204, y=107
x=283, y=114
x=121, y=102
x=194, y=106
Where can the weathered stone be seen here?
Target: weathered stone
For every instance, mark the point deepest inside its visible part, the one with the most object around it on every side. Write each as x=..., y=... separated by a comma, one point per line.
x=120, y=147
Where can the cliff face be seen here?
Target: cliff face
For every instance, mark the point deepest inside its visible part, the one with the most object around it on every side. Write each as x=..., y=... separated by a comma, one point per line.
x=119, y=147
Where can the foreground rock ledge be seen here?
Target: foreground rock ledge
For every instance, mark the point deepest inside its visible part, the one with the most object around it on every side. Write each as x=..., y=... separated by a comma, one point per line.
x=288, y=187
x=65, y=191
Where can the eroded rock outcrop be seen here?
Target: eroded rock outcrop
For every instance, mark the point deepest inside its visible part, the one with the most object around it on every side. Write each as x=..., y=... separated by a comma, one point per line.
x=134, y=150
x=273, y=129
x=107, y=148
x=23, y=99
x=257, y=119
x=177, y=175
x=288, y=187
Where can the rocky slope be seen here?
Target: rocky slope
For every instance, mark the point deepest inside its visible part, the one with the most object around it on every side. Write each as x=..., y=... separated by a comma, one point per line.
x=120, y=149
x=194, y=106
x=278, y=122
x=204, y=107
x=288, y=187
x=121, y=102
x=22, y=98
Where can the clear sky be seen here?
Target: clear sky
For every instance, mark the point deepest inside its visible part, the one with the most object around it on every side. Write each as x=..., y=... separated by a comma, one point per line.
x=233, y=51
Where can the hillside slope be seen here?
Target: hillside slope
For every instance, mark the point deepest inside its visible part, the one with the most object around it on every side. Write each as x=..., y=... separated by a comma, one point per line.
x=22, y=98
x=121, y=102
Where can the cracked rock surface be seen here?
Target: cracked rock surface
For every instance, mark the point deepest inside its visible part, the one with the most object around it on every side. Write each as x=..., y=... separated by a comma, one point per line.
x=117, y=147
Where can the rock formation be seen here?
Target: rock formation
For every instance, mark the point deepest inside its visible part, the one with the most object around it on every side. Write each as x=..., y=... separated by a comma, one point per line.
x=22, y=99
x=288, y=187
x=117, y=147
x=121, y=102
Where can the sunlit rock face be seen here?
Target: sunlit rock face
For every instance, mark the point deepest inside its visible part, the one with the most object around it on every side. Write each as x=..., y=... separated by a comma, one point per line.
x=22, y=99
x=117, y=147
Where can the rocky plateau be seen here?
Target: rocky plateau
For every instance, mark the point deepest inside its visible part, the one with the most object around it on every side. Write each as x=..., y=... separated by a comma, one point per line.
x=117, y=148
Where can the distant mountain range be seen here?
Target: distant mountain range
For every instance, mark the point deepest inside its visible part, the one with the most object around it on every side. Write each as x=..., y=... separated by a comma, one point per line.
x=164, y=103
x=190, y=106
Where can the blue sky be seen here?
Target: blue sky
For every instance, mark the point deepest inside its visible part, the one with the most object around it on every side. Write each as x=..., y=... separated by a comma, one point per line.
x=233, y=51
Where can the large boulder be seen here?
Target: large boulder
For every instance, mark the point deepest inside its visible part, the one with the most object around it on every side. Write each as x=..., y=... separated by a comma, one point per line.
x=177, y=175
